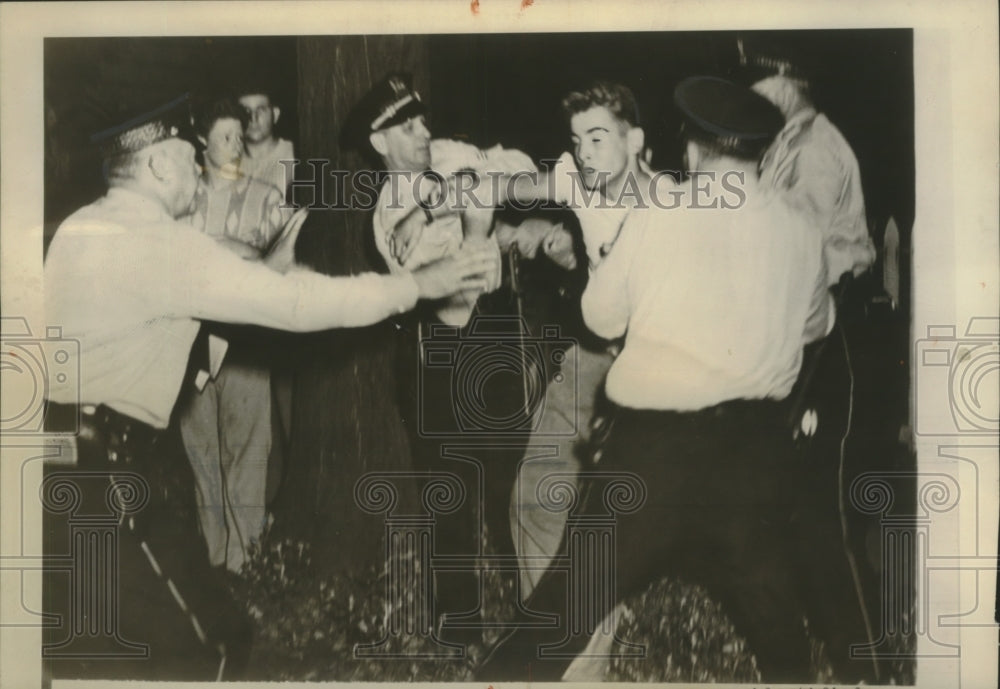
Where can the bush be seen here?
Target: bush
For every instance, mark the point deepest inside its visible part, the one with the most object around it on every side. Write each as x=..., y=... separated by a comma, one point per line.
x=308, y=624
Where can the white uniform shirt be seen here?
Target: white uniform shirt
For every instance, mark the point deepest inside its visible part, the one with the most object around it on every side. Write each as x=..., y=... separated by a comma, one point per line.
x=443, y=237
x=128, y=282
x=811, y=162
x=715, y=304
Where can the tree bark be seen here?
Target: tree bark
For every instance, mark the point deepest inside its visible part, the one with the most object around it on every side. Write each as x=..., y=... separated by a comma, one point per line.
x=346, y=420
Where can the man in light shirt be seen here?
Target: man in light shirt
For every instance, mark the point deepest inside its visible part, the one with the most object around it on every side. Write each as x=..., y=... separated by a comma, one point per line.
x=268, y=157
x=417, y=220
x=130, y=283
x=810, y=161
x=601, y=181
x=715, y=305
x=812, y=165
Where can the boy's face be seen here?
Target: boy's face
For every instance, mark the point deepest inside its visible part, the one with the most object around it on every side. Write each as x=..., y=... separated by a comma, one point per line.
x=604, y=146
x=261, y=117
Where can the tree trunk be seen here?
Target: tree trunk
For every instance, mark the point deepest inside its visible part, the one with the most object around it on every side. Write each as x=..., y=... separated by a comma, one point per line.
x=346, y=420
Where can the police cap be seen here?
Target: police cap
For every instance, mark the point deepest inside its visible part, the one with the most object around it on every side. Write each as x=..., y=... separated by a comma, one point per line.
x=390, y=102
x=730, y=118
x=774, y=53
x=166, y=121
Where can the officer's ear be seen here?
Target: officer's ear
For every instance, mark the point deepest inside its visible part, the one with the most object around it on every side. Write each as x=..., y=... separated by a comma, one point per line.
x=635, y=140
x=160, y=164
x=378, y=142
x=275, y=114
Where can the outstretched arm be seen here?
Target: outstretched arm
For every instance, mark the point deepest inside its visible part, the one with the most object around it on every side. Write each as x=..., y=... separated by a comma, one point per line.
x=205, y=280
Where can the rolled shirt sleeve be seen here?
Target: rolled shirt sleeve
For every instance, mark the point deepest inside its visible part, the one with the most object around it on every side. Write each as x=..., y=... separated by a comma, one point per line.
x=204, y=280
x=605, y=303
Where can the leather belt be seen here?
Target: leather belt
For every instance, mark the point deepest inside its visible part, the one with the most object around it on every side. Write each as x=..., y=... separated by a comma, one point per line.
x=104, y=436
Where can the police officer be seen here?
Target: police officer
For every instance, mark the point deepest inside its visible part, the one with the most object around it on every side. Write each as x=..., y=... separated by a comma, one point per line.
x=130, y=283
x=415, y=221
x=716, y=299
x=810, y=161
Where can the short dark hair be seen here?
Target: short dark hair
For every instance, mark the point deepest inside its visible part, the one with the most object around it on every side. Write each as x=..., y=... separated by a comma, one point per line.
x=253, y=86
x=717, y=147
x=219, y=109
x=121, y=167
x=617, y=98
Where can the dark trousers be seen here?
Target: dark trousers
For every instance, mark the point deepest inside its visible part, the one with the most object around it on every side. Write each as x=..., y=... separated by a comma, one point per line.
x=483, y=458
x=715, y=514
x=163, y=535
x=486, y=467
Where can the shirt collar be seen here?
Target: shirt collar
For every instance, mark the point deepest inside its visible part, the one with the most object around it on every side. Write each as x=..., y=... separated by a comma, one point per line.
x=800, y=118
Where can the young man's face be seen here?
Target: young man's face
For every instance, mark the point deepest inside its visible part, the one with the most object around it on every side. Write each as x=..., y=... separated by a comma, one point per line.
x=224, y=144
x=603, y=145
x=261, y=117
x=405, y=147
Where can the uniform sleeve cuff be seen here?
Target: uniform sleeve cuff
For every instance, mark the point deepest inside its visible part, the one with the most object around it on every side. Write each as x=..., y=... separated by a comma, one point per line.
x=409, y=291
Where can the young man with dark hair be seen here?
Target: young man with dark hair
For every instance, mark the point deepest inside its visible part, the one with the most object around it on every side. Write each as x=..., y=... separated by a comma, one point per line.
x=601, y=181
x=715, y=306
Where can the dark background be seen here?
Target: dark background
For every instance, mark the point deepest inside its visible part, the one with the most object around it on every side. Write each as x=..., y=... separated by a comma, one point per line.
x=481, y=88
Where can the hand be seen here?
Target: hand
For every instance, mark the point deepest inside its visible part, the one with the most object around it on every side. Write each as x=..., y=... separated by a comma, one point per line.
x=281, y=256
x=528, y=236
x=241, y=249
x=506, y=160
x=558, y=246
x=407, y=234
x=468, y=269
